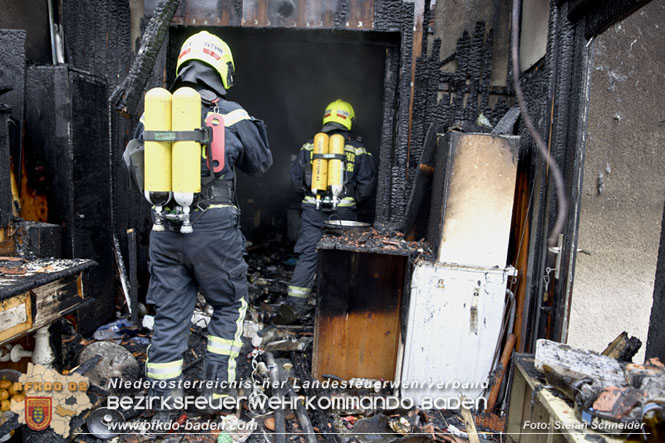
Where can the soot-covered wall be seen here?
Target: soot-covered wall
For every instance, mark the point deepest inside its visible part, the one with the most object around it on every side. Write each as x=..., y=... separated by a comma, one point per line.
x=286, y=78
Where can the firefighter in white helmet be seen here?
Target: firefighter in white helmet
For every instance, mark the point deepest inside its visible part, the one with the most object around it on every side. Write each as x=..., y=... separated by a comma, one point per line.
x=333, y=196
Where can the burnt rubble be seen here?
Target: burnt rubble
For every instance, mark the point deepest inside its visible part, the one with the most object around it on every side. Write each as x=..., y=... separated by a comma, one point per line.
x=270, y=266
x=378, y=242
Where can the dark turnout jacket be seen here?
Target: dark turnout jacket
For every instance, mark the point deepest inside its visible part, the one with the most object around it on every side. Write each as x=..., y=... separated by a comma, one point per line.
x=359, y=172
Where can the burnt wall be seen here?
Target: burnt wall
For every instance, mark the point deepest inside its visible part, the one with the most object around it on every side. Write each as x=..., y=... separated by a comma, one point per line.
x=12, y=80
x=453, y=19
x=557, y=94
x=5, y=183
x=455, y=92
x=98, y=36
x=400, y=147
x=390, y=18
x=31, y=16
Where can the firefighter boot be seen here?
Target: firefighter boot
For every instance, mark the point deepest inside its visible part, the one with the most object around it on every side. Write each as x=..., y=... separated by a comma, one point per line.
x=293, y=310
x=215, y=389
x=167, y=399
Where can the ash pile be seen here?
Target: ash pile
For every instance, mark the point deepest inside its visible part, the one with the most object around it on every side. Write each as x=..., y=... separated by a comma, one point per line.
x=373, y=240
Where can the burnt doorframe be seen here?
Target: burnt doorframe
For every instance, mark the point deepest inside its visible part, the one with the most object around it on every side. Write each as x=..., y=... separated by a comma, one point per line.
x=572, y=24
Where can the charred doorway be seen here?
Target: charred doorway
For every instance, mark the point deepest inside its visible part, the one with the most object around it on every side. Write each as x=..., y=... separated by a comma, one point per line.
x=286, y=78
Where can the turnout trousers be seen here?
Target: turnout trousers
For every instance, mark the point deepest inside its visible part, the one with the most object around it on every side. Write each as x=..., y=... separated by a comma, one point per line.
x=312, y=221
x=209, y=259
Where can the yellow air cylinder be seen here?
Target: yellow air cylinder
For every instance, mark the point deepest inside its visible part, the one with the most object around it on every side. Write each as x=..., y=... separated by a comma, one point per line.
x=335, y=166
x=157, y=117
x=186, y=156
x=320, y=165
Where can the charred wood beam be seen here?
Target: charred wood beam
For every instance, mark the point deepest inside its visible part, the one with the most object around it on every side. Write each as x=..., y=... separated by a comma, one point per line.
x=303, y=418
x=600, y=14
x=5, y=173
x=127, y=95
x=133, y=278
x=623, y=348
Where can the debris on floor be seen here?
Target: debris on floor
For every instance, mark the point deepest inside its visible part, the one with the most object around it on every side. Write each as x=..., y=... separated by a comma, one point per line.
x=613, y=394
x=276, y=362
x=275, y=359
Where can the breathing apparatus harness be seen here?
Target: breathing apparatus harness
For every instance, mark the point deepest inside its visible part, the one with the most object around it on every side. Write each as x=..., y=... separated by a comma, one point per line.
x=328, y=157
x=188, y=187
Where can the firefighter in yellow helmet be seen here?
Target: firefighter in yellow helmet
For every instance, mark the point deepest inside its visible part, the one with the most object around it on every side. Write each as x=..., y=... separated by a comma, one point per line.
x=357, y=184
x=210, y=258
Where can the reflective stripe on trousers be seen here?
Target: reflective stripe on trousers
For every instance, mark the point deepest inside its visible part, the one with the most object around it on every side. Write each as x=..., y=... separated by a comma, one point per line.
x=164, y=371
x=296, y=291
x=227, y=348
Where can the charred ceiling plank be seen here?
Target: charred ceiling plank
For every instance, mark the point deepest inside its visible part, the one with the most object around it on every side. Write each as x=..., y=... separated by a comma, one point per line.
x=207, y=13
x=310, y=14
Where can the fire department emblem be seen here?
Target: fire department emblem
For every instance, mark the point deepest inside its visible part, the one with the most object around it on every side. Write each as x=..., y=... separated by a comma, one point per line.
x=38, y=412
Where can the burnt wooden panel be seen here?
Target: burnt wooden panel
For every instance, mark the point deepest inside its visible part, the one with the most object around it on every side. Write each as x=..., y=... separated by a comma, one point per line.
x=67, y=130
x=91, y=188
x=357, y=327
x=41, y=240
x=12, y=80
x=5, y=175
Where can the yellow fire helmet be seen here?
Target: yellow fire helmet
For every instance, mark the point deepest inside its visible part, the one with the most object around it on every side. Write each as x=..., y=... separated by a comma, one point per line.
x=339, y=113
x=210, y=49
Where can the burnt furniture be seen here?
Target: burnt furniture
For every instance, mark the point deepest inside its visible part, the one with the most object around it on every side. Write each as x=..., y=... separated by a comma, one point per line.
x=34, y=294
x=357, y=327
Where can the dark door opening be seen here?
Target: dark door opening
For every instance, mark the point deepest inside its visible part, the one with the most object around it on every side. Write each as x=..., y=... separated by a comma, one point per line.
x=286, y=78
